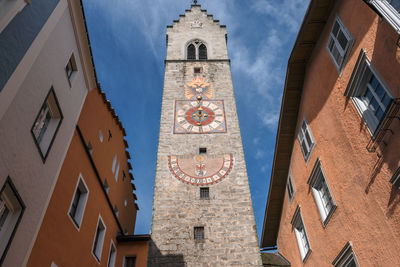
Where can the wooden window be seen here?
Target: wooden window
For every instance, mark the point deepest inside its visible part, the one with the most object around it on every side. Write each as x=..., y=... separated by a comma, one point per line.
x=306, y=140
x=199, y=233
x=339, y=44
x=191, y=52
x=204, y=193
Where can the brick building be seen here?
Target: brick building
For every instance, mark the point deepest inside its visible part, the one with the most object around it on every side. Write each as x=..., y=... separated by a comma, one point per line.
x=334, y=194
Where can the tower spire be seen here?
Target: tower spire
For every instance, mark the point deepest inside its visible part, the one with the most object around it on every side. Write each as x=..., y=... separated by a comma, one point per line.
x=195, y=2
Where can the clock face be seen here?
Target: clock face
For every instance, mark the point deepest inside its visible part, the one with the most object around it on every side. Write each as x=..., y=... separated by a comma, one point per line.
x=194, y=117
x=200, y=169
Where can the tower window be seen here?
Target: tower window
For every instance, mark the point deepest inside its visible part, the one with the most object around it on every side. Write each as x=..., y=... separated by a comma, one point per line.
x=202, y=52
x=199, y=233
x=204, y=193
x=197, y=70
x=196, y=50
x=202, y=150
x=191, y=52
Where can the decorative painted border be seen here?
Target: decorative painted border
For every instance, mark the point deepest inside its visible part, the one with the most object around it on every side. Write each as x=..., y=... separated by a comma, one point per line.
x=188, y=179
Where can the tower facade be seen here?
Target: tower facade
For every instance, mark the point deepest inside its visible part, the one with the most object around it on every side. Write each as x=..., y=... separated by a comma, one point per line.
x=202, y=209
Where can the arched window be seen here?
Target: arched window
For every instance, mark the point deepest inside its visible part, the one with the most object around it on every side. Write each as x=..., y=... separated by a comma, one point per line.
x=191, y=52
x=202, y=52
x=196, y=50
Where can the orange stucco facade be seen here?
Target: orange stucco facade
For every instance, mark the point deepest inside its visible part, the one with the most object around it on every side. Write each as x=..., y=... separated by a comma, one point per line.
x=368, y=205
x=60, y=240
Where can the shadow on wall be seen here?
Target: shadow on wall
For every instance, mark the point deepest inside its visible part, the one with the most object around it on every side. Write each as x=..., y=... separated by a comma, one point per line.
x=157, y=259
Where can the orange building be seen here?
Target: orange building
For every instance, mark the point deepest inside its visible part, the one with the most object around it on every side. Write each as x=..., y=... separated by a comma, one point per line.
x=334, y=193
x=90, y=220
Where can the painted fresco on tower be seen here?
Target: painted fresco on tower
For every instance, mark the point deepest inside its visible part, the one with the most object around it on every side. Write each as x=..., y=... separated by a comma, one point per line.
x=198, y=87
x=199, y=117
x=201, y=169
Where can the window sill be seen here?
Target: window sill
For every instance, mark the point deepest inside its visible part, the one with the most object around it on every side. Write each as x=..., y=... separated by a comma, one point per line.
x=388, y=12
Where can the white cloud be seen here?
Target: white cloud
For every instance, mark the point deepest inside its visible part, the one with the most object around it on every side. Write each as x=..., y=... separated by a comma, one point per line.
x=259, y=154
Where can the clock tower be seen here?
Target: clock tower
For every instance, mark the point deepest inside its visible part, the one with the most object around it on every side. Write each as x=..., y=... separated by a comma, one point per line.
x=202, y=209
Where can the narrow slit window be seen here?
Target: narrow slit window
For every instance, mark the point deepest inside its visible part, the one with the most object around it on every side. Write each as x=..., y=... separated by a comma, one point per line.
x=197, y=70
x=112, y=255
x=290, y=188
x=202, y=150
x=204, y=193
x=199, y=233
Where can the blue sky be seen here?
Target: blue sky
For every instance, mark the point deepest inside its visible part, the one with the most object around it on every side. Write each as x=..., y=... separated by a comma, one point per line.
x=128, y=43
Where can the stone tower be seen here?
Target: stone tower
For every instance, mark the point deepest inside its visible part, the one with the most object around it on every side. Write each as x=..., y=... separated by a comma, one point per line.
x=202, y=209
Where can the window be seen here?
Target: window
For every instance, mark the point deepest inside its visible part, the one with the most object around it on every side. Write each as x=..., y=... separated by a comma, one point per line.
x=204, y=193
x=11, y=211
x=116, y=172
x=396, y=178
x=112, y=255
x=306, y=140
x=71, y=69
x=369, y=93
x=130, y=261
x=290, y=188
x=202, y=52
x=196, y=50
x=202, y=150
x=301, y=234
x=389, y=9
x=47, y=123
x=339, y=44
x=199, y=233
x=322, y=193
x=90, y=148
x=116, y=210
x=78, y=203
x=8, y=10
x=197, y=70
x=99, y=239
x=101, y=136
x=106, y=186
x=191, y=52
x=346, y=257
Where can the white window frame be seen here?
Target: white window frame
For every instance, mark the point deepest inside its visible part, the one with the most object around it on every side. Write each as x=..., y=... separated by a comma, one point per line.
x=346, y=255
x=11, y=200
x=301, y=135
x=318, y=176
x=98, y=250
x=44, y=128
x=358, y=85
x=112, y=257
x=301, y=234
x=290, y=183
x=388, y=12
x=80, y=209
x=8, y=10
x=343, y=53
